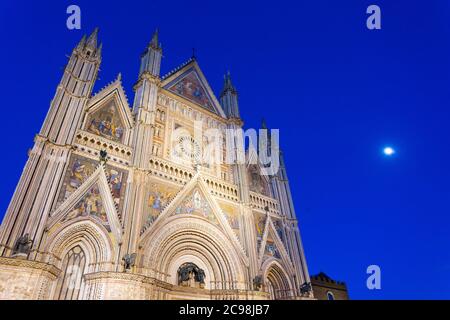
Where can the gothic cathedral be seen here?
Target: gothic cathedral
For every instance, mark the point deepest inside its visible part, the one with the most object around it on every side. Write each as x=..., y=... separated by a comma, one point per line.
x=103, y=211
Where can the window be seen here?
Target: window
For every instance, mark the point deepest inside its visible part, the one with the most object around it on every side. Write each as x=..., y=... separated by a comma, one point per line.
x=330, y=295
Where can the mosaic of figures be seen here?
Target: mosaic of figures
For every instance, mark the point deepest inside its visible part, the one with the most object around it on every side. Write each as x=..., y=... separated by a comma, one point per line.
x=195, y=204
x=90, y=205
x=232, y=215
x=271, y=249
x=106, y=123
x=191, y=88
x=159, y=197
x=257, y=182
x=81, y=168
x=279, y=228
x=260, y=224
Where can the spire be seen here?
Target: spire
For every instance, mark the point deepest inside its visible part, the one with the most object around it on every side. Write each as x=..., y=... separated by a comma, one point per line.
x=151, y=57
x=82, y=42
x=228, y=85
x=263, y=123
x=88, y=46
x=229, y=98
x=92, y=40
x=154, y=43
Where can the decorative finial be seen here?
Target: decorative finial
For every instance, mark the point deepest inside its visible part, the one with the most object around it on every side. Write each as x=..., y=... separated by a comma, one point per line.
x=193, y=54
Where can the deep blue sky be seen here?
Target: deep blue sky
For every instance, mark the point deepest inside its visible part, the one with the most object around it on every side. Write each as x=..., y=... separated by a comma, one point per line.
x=337, y=91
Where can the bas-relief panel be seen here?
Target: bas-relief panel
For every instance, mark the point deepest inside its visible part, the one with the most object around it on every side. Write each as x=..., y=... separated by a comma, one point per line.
x=191, y=88
x=256, y=182
x=81, y=168
x=195, y=204
x=106, y=122
x=90, y=205
x=159, y=197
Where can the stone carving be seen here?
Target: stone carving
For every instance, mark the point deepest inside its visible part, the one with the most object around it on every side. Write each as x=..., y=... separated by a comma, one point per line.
x=257, y=283
x=23, y=245
x=305, y=288
x=189, y=275
x=103, y=156
x=129, y=261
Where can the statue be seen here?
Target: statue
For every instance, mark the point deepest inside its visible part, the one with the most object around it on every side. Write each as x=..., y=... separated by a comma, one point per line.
x=200, y=276
x=305, y=288
x=190, y=275
x=129, y=261
x=23, y=245
x=257, y=283
x=103, y=156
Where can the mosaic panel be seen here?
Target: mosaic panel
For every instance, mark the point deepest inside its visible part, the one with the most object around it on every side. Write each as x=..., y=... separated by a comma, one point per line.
x=191, y=88
x=196, y=204
x=90, y=205
x=81, y=168
x=106, y=123
x=159, y=197
x=256, y=182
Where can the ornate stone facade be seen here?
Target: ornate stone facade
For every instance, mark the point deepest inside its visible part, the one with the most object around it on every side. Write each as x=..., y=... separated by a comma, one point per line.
x=110, y=215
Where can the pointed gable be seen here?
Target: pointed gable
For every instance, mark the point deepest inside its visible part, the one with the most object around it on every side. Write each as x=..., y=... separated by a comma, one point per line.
x=92, y=200
x=189, y=83
x=195, y=204
x=108, y=113
x=90, y=205
x=81, y=168
x=106, y=122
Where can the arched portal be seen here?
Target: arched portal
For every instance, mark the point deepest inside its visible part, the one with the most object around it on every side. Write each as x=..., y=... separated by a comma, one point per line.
x=277, y=282
x=78, y=249
x=191, y=240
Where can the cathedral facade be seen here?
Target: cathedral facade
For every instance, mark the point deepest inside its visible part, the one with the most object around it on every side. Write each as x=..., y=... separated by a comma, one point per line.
x=116, y=201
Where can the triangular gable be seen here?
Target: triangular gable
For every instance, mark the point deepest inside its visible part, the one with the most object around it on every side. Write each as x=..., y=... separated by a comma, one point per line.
x=272, y=246
x=190, y=83
x=80, y=168
x=108, y=113
x=92, y=200
x=195, y=199
x=195, y=204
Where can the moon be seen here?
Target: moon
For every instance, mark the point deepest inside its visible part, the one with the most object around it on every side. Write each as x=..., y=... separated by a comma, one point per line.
x=388, y=151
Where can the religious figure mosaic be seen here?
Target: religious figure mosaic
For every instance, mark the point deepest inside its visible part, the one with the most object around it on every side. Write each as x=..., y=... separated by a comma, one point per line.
x=90, y=205
x=232, y=215
x=191, y=88
x=271, y=248
x=260, y=224
x=279, y=228
x=257, y=183
x=106, y=123
x=195, y=204
x=158, y=198
x=81, y=168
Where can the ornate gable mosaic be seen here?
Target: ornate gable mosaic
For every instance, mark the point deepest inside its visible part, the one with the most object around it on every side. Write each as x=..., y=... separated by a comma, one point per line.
x=195, y=204
x=90, y=205
x=106, y=122
x=191, y=88
x=81, y=168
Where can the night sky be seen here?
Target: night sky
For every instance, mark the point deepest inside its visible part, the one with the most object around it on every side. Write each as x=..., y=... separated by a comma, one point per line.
x=338, y=92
